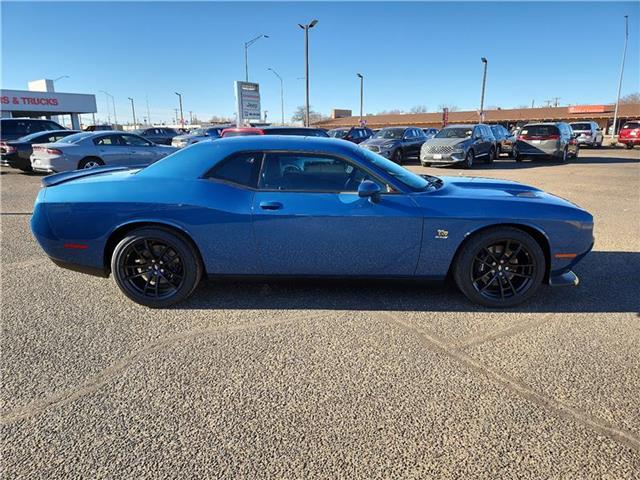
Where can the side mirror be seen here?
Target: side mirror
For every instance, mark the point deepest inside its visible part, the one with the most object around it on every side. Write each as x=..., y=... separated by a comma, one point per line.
x=369, y=189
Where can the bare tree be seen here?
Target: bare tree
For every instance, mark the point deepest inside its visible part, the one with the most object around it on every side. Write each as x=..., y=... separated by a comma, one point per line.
x=299, y=115
x=395, y=111
x=452, y=108
x=419, y=109
x=631, y=98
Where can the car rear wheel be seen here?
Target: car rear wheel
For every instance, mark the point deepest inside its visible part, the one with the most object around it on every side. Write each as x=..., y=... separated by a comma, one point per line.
x=90, y=162
x=629, y=146
x=155, y=267
x=468, y=159
x=500, y=267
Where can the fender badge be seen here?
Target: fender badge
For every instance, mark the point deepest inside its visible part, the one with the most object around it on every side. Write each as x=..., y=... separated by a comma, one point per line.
x=442, y=234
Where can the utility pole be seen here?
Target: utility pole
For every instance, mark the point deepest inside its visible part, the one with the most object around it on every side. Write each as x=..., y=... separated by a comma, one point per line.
x=484, y=82
x=176, y=115
x=533, y=102
x=106, y=101
x=181, y=115
x=361, y=77
x=306, y=29
x=148, y=114
x=133, y=111
x=281, y=93
x=624, y=56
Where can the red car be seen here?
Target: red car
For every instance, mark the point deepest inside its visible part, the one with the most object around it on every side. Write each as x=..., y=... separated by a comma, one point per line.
x=241, y=132
x=630, y=133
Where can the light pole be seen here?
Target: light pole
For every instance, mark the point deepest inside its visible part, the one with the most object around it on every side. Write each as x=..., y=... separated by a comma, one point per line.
x=106, y=101
x=306, y=29
x=281, y=92
x=181, y=115
x=148, y=113
x=361, y=77
x=484, y=82
x=60, y=78
x=624, y=55
x=133, y=111
x=246, y=54
x=113, y=102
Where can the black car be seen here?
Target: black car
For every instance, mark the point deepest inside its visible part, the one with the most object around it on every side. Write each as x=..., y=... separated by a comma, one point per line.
x=353, y=134
x=397, y=143
x=17, y=153
x=14, y=128
x=505, y=140
x=159, y=135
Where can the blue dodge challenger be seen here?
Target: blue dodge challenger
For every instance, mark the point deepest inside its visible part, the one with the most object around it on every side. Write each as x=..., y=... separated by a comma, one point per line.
x=273, y=206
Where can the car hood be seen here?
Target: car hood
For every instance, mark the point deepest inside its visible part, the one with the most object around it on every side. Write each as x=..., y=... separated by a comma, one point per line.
x=445, y=142
x=379, y=141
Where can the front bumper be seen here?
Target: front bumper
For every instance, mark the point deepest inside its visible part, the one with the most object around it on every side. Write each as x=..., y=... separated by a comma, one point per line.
x=385, y=152
x=441, y=159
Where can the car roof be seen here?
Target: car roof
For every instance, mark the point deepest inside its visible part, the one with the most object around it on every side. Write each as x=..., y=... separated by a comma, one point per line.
x=463, y=125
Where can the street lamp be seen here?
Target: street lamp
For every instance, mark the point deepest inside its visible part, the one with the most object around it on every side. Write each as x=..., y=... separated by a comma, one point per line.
x=246, y=58
x=60, y=78
x=113, y=102
x=106, y=98
x=361, y=77
x=484, y=81
x=624, y=55
x=306, y=29
x=181, y=115
x=133, y=111
x=281, y=92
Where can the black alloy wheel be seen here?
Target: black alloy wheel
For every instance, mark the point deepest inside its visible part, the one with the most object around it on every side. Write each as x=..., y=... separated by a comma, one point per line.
x=468, y=159
x=155, y=267
x=397, y=156
x=500, y=267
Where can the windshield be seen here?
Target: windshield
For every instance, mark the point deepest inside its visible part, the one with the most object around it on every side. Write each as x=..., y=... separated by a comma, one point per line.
x=455, y=132
x=410, y=179
x=390, y=133
x=198, y=132
x=76, y=138
x=338, y=133
x=631, y=125
x=581, y=126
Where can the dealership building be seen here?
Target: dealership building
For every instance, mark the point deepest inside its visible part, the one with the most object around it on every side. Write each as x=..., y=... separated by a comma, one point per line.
x=41, y=100
x=602, y=114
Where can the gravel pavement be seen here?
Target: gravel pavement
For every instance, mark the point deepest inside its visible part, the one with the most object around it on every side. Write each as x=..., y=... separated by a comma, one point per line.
x=304, y=379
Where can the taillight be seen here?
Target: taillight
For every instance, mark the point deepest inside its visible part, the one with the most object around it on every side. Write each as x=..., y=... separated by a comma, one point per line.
x=7, y=148
x=550, y=137
x=50, y=151
x=522, y=137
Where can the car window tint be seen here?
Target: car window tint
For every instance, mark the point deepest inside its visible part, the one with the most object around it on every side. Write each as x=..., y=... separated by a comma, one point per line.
x=241, y=169
x=310, y=173
x=135, y=141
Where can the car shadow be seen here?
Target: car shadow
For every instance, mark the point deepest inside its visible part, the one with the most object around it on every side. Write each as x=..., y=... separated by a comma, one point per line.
x=608, y=283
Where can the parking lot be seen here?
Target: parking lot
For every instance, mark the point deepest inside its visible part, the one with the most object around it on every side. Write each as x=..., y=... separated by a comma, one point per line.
x=330, y=379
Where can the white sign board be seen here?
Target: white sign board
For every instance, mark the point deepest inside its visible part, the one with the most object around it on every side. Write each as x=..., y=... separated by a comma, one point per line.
x=248, y=101
x=46, y=102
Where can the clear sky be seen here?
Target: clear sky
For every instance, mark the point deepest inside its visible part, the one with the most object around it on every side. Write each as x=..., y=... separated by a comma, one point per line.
x=410, y=53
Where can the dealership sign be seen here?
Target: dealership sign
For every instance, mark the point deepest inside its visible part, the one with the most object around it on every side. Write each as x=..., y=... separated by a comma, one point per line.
x=590, y=108
x=248, y=101
x=46, y=102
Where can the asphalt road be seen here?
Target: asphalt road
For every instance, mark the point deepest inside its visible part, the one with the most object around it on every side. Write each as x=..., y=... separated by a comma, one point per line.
x=329, y=380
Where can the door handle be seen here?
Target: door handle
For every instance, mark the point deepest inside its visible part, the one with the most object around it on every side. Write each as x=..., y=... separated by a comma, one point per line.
x=270, y=205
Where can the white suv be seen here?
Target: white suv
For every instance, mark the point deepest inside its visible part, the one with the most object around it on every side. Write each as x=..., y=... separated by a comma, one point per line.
x=587, y=133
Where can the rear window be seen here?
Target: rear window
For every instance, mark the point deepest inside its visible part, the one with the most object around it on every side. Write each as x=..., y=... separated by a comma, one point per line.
x=540, y=130
x=631, y=125
x=581, y=126
x=239, y=134
x=26, y=127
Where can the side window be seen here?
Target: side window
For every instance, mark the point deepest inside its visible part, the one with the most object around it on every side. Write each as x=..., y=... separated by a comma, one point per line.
x=241, y=169
x=109, y=140
x=408, y=133
x=135, y=141
x=310, y=173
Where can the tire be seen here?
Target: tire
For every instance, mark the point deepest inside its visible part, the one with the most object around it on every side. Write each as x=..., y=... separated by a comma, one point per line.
x=468, y=159
x=565, y=155
x=516, y=155
x=397, y=156
x=492, y=156
x=156, y=267
x=90, y=162
x=26, y=169
x=629, y=146
x=524, y=261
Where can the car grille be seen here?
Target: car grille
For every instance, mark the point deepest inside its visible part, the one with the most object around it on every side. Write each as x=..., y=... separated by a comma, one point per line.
x=438, y=149
x=373, y=148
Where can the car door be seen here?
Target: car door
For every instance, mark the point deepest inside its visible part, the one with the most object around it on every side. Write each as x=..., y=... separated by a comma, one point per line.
x=142, y=151
x=309, y=220
x=112, y=149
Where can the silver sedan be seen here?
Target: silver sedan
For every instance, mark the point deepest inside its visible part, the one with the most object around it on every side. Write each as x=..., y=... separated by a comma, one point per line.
x=94, y=149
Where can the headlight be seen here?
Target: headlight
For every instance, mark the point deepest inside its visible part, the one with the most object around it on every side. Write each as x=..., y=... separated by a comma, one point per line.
x=387, y=145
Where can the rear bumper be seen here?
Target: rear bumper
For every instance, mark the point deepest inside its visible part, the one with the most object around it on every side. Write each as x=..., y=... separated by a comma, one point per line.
x=630, y=141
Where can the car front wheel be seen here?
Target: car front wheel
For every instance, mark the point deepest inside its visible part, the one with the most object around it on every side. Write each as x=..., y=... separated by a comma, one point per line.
x=397, y=156
x=155, y=267
x=500, y=267
x=468, y=159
